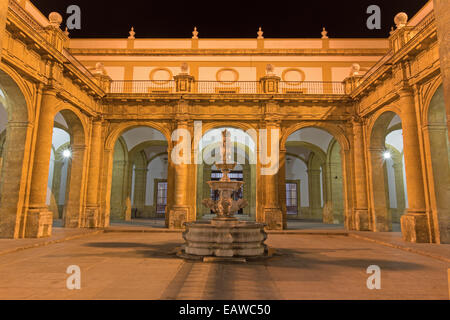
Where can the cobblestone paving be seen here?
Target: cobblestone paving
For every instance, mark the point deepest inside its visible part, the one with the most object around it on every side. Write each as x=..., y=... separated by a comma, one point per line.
x=144, y=266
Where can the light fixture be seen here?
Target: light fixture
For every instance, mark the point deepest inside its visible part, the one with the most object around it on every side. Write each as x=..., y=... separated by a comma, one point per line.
x=387, y=155
x=66, y=153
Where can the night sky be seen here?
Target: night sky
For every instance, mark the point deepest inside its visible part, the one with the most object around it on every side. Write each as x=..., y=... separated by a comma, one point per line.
x=230, y=18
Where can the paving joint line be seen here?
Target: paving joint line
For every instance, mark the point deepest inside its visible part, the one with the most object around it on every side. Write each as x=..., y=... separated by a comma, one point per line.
x=400, y=247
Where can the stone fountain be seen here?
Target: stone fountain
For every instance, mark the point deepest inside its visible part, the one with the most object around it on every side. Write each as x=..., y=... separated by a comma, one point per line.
x=225, y=236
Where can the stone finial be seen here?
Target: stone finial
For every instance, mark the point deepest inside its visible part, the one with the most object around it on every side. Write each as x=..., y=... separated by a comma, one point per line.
x=324, y=33
x=354, y=70
x=195, y=33
x=184, y=67
x=132, y=34
x=66, y=32
x=260, y=33
x=392, y=31
x=270, y=68
x=99, y=69
x=401, y=19
x=55, y=19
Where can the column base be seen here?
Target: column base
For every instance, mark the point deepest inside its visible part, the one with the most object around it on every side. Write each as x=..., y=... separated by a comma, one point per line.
x=327, y=213
x=361, y=219
x=177, y=217
x=382, y=221
x=444, y=230
x=273, y=218
x=92, y=217
x=39, y=223
x=71, y=223
x=415, y=227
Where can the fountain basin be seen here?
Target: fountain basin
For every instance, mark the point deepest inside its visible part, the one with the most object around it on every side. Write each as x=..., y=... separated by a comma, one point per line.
x=225, y=238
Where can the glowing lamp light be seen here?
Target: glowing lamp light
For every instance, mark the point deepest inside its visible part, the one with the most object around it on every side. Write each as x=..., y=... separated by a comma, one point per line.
x=387, y=155
x=67, y=153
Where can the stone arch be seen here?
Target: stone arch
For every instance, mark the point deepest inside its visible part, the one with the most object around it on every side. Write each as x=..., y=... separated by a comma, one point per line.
x=244, y=126
x=17, y=100
x=121, y=128
x=437, y=155
x=337, y=132
x=436, y=85
x=249, y=171
x=343, y=212
x=18, y=96
x=74, y=209
x=114, y=138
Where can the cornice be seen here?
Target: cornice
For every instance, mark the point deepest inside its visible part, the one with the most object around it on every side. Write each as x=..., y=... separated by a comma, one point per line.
x=228, y=52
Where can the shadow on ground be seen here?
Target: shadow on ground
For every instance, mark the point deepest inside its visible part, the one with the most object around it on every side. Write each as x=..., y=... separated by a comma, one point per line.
x=311, y=258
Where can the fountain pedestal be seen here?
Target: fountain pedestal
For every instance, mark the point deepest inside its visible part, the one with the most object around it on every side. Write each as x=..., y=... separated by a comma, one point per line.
x=225, y=239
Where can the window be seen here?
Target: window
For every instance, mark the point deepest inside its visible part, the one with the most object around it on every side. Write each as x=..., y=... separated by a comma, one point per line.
x=161, y=198
x=291, y=198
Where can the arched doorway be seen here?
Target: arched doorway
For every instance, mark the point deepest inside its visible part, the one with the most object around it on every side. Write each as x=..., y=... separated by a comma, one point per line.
x=439, y=157
x=15, y=137
x=314, y=179
x=245, y=157
x=139, y=187
x=388, y=179
x=65, y=189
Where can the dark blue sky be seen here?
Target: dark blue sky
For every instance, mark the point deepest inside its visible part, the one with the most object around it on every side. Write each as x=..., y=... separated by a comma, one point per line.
x=230, y=18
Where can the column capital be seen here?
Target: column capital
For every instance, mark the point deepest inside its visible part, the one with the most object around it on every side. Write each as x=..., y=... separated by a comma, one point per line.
x=19, y=124
x=50, y=91
x=357, y=120
x=272, y=122
x=406, y=91
x=78, y=147
x=314, y=171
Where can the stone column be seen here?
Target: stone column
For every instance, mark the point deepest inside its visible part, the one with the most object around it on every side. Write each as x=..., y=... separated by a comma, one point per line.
x=119, y=191
x=179, y=212
x=13, y=182
x=442, y=16
x=39, y=219
x=361, y=212
x=380, y=211
x=399, y=188
x=247, y=187
x=170, y=186
x=273, y=216
x=439, y=160
x=414, y=223
x=75, y=200
x=314, y=195
x=92, y=207
x=3, y=14
x=56, y=184
x=140, y=184
x=206, y=188
x=282, y=186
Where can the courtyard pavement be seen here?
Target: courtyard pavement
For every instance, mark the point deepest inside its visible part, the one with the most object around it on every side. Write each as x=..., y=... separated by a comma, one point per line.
x=143, y=265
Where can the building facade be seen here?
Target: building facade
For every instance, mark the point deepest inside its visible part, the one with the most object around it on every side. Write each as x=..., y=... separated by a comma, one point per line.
x=87, y=127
